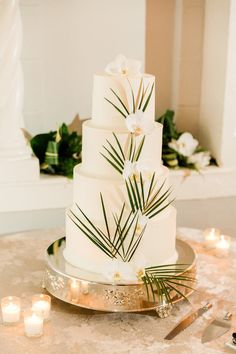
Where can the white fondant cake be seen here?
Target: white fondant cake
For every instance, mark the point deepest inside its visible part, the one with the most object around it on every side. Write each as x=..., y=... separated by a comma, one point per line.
x=118, y=104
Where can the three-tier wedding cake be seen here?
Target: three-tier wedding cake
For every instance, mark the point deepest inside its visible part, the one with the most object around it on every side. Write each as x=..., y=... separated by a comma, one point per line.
x=121, y=220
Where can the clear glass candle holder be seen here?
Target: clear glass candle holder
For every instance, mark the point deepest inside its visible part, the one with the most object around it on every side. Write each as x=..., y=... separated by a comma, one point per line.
x=11, y=306
x=223, y=246
x=33, y=323
x=211, y=237
x=164, y=308
x=41, y=303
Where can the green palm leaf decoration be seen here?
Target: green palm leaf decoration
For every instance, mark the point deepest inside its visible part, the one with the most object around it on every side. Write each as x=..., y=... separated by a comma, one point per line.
x=116, y=156
x=144, y=107
x=121, y=233
x=139, y=95
x=121, y=242
x=151, y=204
x=140, y=102
x=161, y=281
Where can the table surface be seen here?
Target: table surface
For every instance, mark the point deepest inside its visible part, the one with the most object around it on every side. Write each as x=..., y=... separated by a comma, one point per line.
x=75, y=330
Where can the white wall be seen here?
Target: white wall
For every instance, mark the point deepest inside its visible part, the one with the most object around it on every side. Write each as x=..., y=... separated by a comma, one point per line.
x=204, y=213
x=65, y=43
x=218, y=95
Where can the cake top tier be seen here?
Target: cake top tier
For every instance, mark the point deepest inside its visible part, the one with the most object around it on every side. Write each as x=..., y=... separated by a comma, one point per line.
x=120, y=91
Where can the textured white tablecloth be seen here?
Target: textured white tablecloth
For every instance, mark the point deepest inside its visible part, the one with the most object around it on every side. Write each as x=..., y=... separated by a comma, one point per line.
x=74, y=330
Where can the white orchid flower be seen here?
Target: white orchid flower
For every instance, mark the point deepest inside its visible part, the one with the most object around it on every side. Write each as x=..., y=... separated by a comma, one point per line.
x=143, y=168
x=142, y=222
x=129, y=169
x=123, y=66
x=127, y=271
x=200, y=159
x=118, y=270
x=140, y=273
x=185, y=145
x=135, y=168
x=138, y=124
x=139, y=267
x=112, y=272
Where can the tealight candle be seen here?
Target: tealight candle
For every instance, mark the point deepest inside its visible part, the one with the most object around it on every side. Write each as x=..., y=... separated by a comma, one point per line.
x=74, y=290
x=211, y=236
x=223, y=246
x=10, y=310
x=41, y=303
x=33, y=322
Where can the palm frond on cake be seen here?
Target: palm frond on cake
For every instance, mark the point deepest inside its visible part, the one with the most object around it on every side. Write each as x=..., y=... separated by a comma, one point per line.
x=120, y=233
x=149, y=203
x=139, y=103
x=161, y=281
x=116, y=156
x=122, y=242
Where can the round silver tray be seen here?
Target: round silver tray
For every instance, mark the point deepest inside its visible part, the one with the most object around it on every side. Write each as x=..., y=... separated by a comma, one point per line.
x=93, y=291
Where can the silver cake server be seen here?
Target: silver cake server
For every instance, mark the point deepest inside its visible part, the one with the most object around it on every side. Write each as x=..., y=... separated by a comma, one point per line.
x=188, y=320
x=217, y=328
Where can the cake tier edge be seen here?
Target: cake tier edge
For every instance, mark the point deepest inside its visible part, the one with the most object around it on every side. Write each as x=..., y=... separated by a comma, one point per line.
x=95, y=138
x=88, y=190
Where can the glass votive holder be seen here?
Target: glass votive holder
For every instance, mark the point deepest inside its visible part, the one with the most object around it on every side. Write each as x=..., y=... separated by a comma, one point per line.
x=41, y=303
x=223, y=246
x=164, y=308
x=211, y=237
x=33, y=323
x=10, y=306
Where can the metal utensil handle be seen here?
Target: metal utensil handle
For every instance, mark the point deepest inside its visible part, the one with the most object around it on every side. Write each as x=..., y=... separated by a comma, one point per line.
x=228, y=316
x=207, y=306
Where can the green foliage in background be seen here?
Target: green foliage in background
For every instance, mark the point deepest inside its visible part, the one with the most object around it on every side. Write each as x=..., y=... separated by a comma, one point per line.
x=172, y=158
x=58, y=151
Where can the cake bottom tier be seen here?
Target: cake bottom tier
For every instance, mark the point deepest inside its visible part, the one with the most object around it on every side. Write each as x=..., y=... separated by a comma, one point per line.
x=156, y=247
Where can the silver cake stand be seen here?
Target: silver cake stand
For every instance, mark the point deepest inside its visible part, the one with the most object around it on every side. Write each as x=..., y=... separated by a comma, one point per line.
x=93, y=291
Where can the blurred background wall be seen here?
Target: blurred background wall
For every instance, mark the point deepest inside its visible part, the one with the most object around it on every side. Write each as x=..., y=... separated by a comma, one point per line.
x=66, y=42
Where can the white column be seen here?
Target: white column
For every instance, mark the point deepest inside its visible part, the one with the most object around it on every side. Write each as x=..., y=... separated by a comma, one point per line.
x=228, y=152
x=16, y=161
x=218, y=101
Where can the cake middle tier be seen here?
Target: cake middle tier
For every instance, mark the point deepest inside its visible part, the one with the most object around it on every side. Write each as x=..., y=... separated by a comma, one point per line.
x=94, y=140
x=88, y=189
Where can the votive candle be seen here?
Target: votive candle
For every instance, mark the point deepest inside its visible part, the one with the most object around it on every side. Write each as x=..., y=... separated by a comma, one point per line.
x=211, y=236
x=33, y=322
x=223, y=245
x=41, y=303
x=10, y=306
